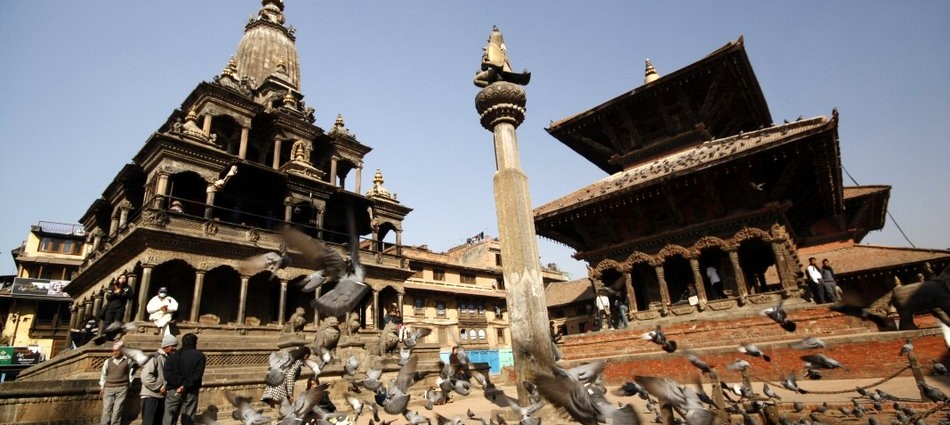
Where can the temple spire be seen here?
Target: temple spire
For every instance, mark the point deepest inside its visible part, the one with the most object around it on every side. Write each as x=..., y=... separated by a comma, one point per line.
x=651, y=75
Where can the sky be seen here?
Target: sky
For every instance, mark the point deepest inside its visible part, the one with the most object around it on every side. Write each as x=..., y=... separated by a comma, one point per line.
x=85, y=83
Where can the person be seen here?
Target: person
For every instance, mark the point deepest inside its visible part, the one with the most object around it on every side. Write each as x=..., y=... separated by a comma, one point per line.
x=161, y=309
x=153, y=382
x=622, y=309
x=715, y=282
x=828, y=281
x=116, y=299
x=689, y=292
x=114, y=382
x=813, y=276
x=183, y=373
x=325, y=403
x=603, y=310
x=275, y=395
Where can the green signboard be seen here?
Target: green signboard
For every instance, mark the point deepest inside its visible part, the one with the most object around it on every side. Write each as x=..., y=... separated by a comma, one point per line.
x=19, y=356
x=6, y=356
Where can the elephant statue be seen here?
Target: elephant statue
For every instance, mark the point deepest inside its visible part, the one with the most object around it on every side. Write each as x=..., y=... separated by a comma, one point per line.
x=930, y=296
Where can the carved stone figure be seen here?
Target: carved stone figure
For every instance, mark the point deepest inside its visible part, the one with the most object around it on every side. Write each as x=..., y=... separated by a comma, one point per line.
x=300, y=151
x=930, y=296
x=388, y=339
x=296, y=322
x=495, y=66
x=328, y=334
x=352, y=324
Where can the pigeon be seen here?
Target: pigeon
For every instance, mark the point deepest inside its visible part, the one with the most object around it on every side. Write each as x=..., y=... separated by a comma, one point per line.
x=791, y=384
x=442, y=420
x=778, y=315
x=526, y=412
x=754, y=351
x=209, y=416
x=939, y=368
x=588, y=372
x=113, y=331
x=738, y=364
x=563, y=389
x=631, y=388
x=269, y=261
x=352, y=366
x=414, y=418
x=822, y=361
x=798, y=407
x=658, y=337
x=317, y=365
x=372, y=381
x=699, y=363
x=410, y=338
x=278, y=361
x=769, y=392
x=884, y=395
x=244, y=411
x=359, y=404
x=933, y=394
x=137, y=356
x=907, y=348
x=812, y=373
x=397, y=395
x=822, y=408
x=682, y=398
x=809, y=343
x=348, y=276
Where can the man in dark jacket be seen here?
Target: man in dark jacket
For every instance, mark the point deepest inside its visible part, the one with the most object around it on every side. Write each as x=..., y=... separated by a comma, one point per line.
x=183, y=372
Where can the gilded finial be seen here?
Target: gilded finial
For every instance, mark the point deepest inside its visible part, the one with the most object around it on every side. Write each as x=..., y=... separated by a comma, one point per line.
x=378, y=178
x=192, y=116
x=231, y=69
x=289, y=100
x=651, y=75
x=339, y=122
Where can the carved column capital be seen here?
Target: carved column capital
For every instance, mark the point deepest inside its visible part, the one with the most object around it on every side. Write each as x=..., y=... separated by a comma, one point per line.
x=501, y=102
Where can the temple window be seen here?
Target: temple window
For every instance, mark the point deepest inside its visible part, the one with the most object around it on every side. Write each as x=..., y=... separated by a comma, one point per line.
x=467, y=277
x=438, y=274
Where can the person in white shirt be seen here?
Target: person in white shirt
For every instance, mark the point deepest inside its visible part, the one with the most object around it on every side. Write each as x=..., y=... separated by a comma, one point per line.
x=602, y=301
x=715, y=282
x=114, y=382
x=161, y=309
x=813, y=276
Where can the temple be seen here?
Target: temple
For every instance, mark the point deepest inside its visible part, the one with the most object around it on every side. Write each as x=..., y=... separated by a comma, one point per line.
x=700, y=177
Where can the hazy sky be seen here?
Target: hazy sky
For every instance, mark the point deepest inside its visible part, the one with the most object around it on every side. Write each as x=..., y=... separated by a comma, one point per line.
x=83, y=84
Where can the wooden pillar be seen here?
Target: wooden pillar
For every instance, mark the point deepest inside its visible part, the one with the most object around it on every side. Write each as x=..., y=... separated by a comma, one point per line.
x=275, y=164
x=196, y=299
x=631, y=295
x=97, y=301
x=209, y=202
x=288, y=212
x=698, y=281
x=737, y=272
x=242, y=303
x=74, y=315
x=399, y=302
x=143, y=292
x=133, y=285
x=242, y=151
x=664, y=291
x=86, y=309
x=781, y=266
x=316, y=313
x=283, y=302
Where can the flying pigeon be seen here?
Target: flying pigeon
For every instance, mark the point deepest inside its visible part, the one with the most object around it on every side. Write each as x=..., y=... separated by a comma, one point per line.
x=778, y=315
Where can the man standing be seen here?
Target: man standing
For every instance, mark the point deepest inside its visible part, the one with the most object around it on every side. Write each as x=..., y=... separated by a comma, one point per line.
x=603, y=310
x=813, y=275
x=153, y=383
x=161, y=309
x=715, y=282
x=622, y=309
x=828, y=281
x=183, y=373
x=114, y=385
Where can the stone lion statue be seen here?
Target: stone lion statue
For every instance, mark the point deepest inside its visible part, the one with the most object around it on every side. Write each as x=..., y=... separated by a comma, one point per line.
x=328, y=334
x=296, y=322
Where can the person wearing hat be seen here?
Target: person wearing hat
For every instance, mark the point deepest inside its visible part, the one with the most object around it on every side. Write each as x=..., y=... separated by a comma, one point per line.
x=114, y=385
x=161, y=309
x=153, y=382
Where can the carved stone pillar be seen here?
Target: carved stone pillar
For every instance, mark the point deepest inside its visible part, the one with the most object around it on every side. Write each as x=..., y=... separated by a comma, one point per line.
x=316, y=313
x=113, y=228
x=664, y=291
x=359, y=178
x=86, y=309
x=196, y=299
x=288, y=210
x=276, y=162
x=133, y=284
x=74, y=311
x=242, y=151
x=781, y=266
x=333, y=161
x=143, y=292
x=206, y=125
x=242, y=299
x=399, y=242
x=123, y=215
x=698, y=281
x=375, y=309
x=161, y=191
x=209, y=202
x=631, y=295
x=737, y=272
x=97, y=301
x=283, y=302
x=399, y=302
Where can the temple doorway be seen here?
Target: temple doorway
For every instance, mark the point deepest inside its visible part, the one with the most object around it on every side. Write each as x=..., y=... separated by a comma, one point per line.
x=179, y=277
x=220, y=295
x=645, y=286
x=755, y=257
x=716, y=259
x=678, y=275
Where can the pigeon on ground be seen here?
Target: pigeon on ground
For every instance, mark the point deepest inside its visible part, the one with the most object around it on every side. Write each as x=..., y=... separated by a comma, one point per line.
x=352, y=366
x=244, y=411
x=769, y=392
x=822, y=361
x=682, y=398
x=658, y=337
x=907, y=348
x=939, y=368
x=397, y=395
x=699, y=363
x=791, y=384
x=738, y=364
x=932, y=393
x=778, y=315
x=809, y=343
x=753, y=351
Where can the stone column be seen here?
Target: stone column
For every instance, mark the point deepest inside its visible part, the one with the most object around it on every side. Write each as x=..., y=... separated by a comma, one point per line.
x=399, y=296
x=737, y=271
x=196, y=299
x=242, y=299
x=359, y=177
x=288, y=211
x=161, y=191
x=283, y=302
x=206, y=125
x=501, y=106
x=376, y=309
x=242, y=151
x=631, y=295
x=97, y=301
x=209, y=202
x=698, y=281
x=123, y=215
x=781, y=266
x=276, y=162
x=143, y=292
x=664, y=291
x=133, y=284
x=74, y=315
x=398, y=241
x=333, y=161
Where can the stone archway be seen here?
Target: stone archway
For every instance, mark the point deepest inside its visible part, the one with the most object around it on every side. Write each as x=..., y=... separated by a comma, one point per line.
x=263, y=298
x=179, y=277
x=221, y=294
x=646, y=286
x=755, y=258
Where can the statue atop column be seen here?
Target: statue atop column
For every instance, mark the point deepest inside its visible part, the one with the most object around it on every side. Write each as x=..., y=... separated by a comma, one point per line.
x=495, y=65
